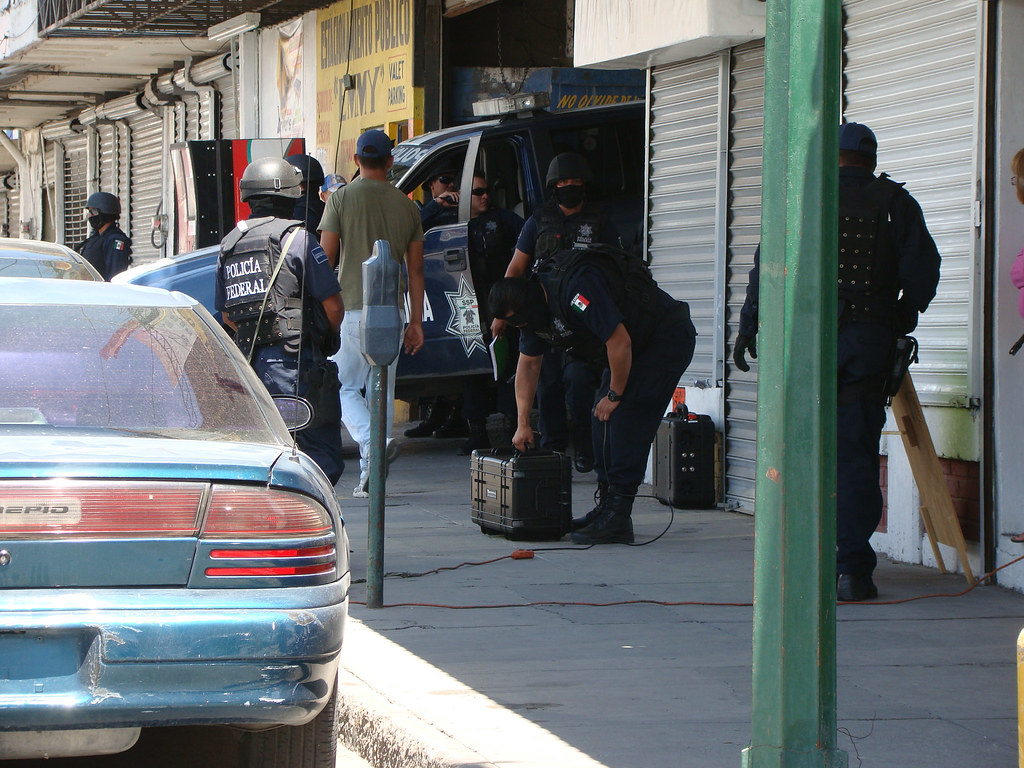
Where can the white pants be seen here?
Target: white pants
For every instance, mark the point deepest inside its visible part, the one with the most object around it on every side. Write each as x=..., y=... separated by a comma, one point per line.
x=354, y=375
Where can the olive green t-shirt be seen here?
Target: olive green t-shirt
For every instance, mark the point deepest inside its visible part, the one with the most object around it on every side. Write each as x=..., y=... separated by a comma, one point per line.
x=362, y=212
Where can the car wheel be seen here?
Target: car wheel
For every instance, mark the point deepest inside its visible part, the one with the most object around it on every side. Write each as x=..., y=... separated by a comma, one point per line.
x=313, y=745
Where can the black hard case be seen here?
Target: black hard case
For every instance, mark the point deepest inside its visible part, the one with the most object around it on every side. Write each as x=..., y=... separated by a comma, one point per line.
x=525, y=496
x=684, y=461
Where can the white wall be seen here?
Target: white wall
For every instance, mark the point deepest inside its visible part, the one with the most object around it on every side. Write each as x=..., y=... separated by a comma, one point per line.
x=641, y=33
x=1008, y=401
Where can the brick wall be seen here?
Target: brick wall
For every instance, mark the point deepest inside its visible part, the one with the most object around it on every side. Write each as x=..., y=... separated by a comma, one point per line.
x=963, y=479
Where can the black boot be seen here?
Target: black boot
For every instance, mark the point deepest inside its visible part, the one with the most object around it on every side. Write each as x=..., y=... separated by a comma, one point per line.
x=613, y=525
x=437, y=412
x=477, y=439
x=600, y=497
x=455, y=425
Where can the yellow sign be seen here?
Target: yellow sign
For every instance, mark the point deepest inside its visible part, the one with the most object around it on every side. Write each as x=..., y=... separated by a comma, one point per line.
x=364, y=76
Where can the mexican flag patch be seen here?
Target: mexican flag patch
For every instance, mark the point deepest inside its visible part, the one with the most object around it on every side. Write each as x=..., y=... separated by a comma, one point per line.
x=118, y=245
x=580, y=303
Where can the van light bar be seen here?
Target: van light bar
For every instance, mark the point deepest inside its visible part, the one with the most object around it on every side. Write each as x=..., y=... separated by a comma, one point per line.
x=507, y=105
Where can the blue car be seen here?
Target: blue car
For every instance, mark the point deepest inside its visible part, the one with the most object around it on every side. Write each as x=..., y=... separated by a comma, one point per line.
x=167, y=556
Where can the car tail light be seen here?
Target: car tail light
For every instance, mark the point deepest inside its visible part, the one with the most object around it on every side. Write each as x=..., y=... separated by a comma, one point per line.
x=95, y=508
x=304, y=561
x=246, y=513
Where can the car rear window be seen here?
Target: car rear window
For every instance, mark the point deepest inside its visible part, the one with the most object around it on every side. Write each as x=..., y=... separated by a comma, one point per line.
x=137, y=370
x=33, y=266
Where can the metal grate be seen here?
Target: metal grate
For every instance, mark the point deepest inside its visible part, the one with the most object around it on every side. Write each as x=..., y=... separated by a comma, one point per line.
x=75, y=172
x=108, y=18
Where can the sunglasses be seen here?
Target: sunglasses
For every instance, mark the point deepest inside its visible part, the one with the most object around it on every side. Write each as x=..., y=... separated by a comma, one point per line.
x=479, y=191
x=446, y=179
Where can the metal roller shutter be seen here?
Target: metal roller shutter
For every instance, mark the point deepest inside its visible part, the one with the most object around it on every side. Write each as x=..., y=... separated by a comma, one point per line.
x=912, y=74
x=5, y=212
x=686, y=211
x=147, y=148
x=746, y=126
x=228, y=107
x=74, y=177
x=14, y=208
x=107, y=149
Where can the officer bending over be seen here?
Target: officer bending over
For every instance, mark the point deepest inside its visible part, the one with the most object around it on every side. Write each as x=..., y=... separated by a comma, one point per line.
x=602, y=305
x=888, y=273
x=107, y=248
x=278, y=292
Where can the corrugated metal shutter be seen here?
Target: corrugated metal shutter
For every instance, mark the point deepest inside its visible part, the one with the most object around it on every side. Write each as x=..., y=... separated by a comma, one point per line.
x=14, y=208
x=746, y=126
x=684, y=214
x=147, y=147
x=74, y=176
x=228, y=107
x=51, y=178
x=5, y=210
x=192, y=104
x=912, y=75
x=107, y=148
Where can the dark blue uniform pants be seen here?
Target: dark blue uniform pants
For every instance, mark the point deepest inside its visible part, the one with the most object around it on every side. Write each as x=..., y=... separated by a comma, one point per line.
x=565, y=382
x=278, y=371
x=622, y=443
x=864, y=356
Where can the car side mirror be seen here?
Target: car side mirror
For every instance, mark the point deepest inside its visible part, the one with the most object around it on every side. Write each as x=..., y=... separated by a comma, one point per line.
x=296, y=411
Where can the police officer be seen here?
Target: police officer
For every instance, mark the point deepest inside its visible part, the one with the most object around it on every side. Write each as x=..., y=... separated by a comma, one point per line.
x=277, y=291
x=107, y=248
x=602, y=305
x=443, y=205
x=567, y=221
x=309, y=207
x=883, y=286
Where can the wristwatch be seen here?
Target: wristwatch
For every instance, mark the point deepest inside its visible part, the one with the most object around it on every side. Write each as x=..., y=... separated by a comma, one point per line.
x=613, y=396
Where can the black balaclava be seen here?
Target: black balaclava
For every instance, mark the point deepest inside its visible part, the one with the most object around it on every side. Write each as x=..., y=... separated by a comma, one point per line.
x=271, y=205
x=100, y=219
x=569, y=196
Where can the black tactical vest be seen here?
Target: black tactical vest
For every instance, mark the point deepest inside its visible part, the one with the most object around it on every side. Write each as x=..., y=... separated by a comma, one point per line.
x=556, y=232
x=868, y=269
x=248, y=259
x=635, y=293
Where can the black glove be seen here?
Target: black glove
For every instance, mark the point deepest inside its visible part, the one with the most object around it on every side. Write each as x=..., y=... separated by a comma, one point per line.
x=742, y=344
x=906, y=318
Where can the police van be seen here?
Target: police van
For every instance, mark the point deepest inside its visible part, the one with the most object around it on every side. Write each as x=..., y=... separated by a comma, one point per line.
x=513, y=152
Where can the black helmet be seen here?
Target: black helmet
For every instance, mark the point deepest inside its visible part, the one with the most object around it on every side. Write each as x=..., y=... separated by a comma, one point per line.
x=272, y=176
x=312, y=171
x=568, y=165
x=104, y=202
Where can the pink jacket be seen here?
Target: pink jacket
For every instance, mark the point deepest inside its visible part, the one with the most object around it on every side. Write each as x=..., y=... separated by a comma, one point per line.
x=1017, y=276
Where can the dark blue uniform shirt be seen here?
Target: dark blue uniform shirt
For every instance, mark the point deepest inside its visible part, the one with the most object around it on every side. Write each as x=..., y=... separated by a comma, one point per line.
x=110, y=251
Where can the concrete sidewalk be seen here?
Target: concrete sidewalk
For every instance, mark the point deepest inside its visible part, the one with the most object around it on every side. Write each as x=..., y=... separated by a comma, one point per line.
x=582, y=684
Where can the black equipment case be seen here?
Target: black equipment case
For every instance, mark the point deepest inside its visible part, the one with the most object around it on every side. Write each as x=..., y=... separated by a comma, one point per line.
x=684, y=460
x=525, y=496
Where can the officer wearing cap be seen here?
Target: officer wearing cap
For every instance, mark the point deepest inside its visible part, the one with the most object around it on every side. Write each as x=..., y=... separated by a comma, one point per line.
x=885, y=280
x=602, y=305
x=277, y=291
x=443, y=205
x=356, y=216
x=309, y=208
x=107, y=248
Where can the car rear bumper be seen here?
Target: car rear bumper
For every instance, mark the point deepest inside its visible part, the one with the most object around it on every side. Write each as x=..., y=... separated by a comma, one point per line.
x=169, y=657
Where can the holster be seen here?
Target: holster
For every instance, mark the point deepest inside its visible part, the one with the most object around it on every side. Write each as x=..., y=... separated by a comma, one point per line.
x=323, y=391
x=904, y=353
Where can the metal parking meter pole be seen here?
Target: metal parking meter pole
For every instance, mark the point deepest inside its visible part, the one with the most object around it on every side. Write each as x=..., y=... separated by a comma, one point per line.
x=380, y=335
x=793, y=718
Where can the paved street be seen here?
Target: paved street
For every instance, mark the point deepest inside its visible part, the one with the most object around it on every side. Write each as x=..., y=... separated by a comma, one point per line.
x=555, y=676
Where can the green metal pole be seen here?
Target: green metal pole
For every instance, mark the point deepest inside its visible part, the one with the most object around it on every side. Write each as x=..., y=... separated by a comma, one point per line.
x=377, y=469
x=794, y=679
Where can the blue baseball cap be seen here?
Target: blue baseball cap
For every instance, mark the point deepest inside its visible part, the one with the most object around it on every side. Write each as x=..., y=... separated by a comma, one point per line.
x=373, y=143
x=857, y=137
x=332, y=182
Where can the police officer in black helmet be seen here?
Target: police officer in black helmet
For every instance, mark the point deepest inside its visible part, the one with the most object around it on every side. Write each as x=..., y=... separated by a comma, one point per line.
x=601, y=304
x=883, y=286
x=567, y=221
x=277, y=291
x=309, y=208
x=107, y=248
